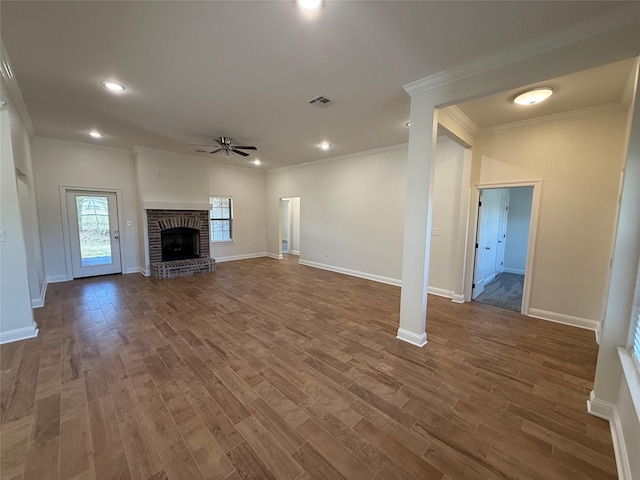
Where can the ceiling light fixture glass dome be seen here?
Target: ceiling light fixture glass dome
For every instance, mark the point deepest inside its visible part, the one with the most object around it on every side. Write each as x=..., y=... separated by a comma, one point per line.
x=533, y=96
x=309, y=4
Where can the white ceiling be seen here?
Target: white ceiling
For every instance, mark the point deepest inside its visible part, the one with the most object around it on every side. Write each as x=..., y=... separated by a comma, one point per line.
x=198, y=70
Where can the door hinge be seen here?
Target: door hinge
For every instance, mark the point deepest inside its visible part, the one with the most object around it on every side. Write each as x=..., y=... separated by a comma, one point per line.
x=501, y=263
x=506, y=208
x=611, y=263
x=480, y=203
x=473, y=286
x=476, y=245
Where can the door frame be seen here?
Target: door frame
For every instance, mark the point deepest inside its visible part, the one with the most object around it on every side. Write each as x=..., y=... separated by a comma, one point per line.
x=66, y=236
x=531, y=245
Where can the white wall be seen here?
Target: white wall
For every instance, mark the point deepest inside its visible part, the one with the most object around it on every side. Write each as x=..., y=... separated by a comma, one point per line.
x=515, y=254
x=579, y=162
x=21, y=144
x=351, y=211
x=16, y=316
x=447, y=203
x=247, y=187
x=59, y=163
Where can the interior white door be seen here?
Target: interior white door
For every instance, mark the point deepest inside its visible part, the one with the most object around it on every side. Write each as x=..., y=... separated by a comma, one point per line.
x=502, y=233
x=94, y=235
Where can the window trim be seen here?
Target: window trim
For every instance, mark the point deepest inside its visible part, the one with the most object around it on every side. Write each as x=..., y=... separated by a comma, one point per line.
x=229, y=219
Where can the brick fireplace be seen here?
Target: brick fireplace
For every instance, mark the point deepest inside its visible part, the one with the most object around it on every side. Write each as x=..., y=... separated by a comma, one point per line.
x=172, y=221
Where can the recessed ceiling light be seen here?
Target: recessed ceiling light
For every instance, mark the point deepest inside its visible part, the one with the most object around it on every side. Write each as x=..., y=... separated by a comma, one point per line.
x=309, y=4
x=257, y=161
x=408, y=124
x=95, y=134
x=533, y=96
x=325, y=146
x=113, y=86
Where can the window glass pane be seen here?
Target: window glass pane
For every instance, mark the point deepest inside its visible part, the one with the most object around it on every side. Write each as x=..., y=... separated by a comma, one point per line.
x=93, y=226
x=221, y=215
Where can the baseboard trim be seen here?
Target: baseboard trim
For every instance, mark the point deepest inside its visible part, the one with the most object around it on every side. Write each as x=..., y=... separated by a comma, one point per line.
x=440, y=292
x=56, y=278
x=609, y=412
x=517, y=271
x=457, y=298
x=19, y=334
x=134, y=270
x=39, y=301
x=273, y=255
x=565, y=319
x=231, y=258
x=354, y=273
x=295, y=252
x=412, y=338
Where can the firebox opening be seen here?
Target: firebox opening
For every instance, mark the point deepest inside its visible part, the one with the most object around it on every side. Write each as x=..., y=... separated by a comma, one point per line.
x=180, y=244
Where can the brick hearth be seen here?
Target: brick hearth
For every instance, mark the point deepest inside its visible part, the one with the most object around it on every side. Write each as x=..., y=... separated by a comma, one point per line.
x=159, y=220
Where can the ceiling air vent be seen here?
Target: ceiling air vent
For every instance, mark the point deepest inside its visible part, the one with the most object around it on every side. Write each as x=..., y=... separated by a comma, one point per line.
x=320, y=101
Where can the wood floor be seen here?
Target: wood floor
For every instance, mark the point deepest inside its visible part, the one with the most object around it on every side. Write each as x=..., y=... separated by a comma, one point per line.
x=266, y=369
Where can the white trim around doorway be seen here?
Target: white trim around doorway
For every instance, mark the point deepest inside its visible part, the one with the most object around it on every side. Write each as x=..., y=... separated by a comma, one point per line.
x=533, y=230
x=65, y=221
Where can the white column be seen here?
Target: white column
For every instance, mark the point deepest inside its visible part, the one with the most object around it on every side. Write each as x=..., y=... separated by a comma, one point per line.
x=617, y=320
x=417, y=221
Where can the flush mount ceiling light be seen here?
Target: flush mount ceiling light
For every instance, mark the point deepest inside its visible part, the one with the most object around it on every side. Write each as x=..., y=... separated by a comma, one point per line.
x=95, y=134
x=309, y=4
x=325, y=146
x=533, y=96
x=113, y=86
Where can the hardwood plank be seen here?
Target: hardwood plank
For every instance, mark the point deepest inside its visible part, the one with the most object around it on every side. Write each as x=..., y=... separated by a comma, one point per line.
x=75, y=447
x=47, y=419
x=142, y=457
x=160, y=422
x=13, y=447
x=284, y=434
x=315, y=465
x=401, y=455
x=248, y=464
x=269, y=450
x=218, y=424
x=43, y=461
x=24, y=389
x=179, y=464
x=103, y=423
x=111, y=462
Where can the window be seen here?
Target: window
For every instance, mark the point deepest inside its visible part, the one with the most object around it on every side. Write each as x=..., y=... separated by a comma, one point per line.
x=221, y=217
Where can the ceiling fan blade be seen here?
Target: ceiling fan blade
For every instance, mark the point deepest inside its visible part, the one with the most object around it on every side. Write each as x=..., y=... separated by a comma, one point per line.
x=217, y=150
x=202, y=145
x=235, y=150
x=249, y=147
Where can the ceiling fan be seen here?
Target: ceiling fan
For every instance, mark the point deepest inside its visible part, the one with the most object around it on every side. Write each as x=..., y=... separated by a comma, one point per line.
x=226, y=147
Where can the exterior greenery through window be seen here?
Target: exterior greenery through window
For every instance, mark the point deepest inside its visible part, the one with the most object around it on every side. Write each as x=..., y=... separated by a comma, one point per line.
x=221, y=217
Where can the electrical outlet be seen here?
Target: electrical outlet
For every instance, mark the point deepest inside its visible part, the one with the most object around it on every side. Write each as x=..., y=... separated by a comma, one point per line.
x=128, y=223
x=435, y=232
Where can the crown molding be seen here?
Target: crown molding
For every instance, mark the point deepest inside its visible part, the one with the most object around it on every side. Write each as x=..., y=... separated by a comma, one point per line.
x=609, y=108
x=14, y=91
x=462, y=119
x=619, y=18
x=348, y=156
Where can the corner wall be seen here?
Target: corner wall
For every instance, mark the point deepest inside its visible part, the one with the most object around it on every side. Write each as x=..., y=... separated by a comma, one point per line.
x=579, y=162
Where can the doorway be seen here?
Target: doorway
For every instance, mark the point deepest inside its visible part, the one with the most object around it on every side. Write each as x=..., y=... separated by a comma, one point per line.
x=502, y=251
x=94, y=235
x=289, y=226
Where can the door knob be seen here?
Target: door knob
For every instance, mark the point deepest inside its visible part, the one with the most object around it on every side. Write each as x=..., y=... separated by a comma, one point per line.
x=116, y=234
x=487, y=248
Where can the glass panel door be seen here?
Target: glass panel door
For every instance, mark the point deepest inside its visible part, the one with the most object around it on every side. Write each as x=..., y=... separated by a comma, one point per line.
x=94, y=235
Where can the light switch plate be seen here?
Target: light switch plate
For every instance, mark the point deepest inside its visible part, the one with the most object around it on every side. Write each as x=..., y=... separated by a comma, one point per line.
x=435, y=231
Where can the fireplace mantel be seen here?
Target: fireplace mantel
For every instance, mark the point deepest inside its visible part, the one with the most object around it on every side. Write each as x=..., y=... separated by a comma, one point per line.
x=175, y=206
